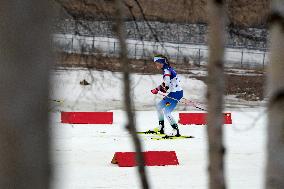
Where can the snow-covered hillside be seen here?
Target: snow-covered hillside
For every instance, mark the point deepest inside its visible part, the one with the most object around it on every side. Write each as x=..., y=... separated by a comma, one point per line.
x=105, y=91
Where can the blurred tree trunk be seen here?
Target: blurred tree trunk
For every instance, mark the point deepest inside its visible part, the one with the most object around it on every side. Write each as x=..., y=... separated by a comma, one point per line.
x=215, y=89
x=120, y=31
x=275, y=148
x=25, y=58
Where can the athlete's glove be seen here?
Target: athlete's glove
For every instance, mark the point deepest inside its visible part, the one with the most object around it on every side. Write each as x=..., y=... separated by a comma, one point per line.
x=155, y=91
x=163, y=88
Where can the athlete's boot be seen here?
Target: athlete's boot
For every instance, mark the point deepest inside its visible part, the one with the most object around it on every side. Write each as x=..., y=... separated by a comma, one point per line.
x=175, y=130
x=161, y=127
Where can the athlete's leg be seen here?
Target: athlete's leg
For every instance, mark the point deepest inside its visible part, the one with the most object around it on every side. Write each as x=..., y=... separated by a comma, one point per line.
x=160, y=106
x=165, y=107
x=172, y=100
x=171, y=104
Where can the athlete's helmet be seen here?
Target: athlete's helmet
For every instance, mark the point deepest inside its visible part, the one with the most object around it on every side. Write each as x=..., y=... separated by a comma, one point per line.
x=161, y=59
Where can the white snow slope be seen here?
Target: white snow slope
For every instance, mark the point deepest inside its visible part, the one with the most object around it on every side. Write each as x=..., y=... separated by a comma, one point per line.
x=82, y=154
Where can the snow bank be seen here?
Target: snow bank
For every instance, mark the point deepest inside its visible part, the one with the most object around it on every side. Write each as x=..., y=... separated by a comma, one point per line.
x=105, y=91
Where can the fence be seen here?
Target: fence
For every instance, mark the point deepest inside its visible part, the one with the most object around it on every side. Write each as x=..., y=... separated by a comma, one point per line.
x=179, y=53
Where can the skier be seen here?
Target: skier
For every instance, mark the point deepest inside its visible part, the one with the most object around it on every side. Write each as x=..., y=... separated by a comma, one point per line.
x=169, y=102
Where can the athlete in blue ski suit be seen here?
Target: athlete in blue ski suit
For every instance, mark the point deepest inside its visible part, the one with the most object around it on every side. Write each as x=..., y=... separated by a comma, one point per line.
x=169, y=102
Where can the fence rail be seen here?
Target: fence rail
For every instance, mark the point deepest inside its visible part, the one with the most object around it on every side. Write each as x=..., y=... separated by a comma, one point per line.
x=179, y=53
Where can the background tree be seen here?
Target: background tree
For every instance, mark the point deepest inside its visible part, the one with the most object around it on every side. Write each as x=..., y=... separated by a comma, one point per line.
x=275, y=164
x=215, y=88
x=25, y=59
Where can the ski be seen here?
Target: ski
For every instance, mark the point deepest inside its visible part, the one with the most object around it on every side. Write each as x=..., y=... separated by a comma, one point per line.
x=167, y=137
x=157, y=136
x=150, y=132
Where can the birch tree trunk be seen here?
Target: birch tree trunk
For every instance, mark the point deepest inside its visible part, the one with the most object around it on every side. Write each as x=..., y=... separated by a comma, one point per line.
x=25, y=58
x=275, y=148
x=215, y=89
x=120, y=31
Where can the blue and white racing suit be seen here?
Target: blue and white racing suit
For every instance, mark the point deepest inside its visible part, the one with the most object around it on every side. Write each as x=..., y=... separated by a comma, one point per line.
x=168, y=104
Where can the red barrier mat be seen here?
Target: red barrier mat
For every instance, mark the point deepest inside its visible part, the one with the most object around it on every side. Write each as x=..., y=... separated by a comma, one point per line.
x=200, y=118
x=87, y=117
x=151, y=158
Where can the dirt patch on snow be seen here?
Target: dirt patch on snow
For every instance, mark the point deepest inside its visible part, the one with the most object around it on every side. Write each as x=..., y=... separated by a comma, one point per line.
x=247, y=87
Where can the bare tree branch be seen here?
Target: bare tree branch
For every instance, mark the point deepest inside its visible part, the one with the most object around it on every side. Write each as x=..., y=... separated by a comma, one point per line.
x=127, y=90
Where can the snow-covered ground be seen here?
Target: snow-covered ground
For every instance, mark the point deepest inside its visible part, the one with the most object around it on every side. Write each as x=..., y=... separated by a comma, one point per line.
x=82, y=153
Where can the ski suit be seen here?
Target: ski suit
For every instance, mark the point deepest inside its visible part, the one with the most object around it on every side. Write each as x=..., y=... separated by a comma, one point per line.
x=168, y=103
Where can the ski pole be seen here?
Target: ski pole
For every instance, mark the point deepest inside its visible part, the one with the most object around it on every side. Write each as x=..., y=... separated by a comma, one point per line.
x=187, y=102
